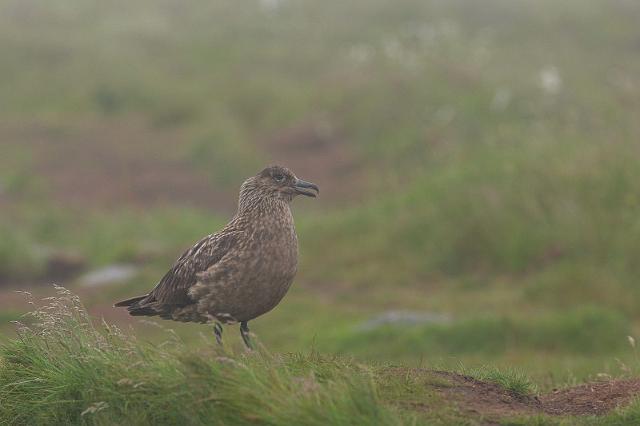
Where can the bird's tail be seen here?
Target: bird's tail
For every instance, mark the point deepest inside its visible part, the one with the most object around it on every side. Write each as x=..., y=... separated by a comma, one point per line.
x=129, y=302
x=136, y=309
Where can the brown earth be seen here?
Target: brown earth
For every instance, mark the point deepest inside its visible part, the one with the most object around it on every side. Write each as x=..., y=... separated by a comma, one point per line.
x=490, y=403
x=486, y=400
x=591, y=398
x=126, y=162
x=114, y=164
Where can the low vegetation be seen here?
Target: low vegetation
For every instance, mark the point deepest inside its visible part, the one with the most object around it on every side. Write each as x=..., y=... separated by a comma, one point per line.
x=66, y=368
x=63, y=369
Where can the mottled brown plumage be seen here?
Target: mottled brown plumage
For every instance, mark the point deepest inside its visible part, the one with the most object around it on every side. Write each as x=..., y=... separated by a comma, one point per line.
x=240, y=272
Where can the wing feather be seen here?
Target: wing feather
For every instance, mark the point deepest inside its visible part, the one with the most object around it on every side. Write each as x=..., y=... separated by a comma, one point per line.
x=174, y=286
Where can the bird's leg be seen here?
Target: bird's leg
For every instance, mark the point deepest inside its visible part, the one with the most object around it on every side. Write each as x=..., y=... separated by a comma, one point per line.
x=244, y=332
x=217, y=329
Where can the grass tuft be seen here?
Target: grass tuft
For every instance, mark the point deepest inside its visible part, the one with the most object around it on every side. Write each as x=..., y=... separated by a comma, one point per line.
x=64, y=369
x=512, y=380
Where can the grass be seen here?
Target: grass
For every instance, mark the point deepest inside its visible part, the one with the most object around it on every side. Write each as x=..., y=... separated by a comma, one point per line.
x=67, y=368
x=491, y=212
x=583, y=331
x=514, y=381
x=64, y=369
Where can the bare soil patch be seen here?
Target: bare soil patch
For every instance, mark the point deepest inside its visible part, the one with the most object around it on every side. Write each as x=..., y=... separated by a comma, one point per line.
x=113, y=163
x=492, y=403
x=591, y=398
x=126, y=162
x=484, y=399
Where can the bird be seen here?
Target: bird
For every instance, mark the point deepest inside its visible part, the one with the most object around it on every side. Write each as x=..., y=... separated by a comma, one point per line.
x=240, y=272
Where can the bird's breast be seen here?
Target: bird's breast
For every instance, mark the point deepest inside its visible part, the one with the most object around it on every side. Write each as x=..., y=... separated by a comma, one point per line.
x=275, y=253
x=256, y=275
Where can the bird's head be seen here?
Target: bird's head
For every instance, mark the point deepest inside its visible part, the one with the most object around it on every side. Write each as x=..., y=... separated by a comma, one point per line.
x=277, y=182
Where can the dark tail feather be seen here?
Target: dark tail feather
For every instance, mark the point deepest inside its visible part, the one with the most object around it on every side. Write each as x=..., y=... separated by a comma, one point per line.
x=129, y=302
x=134, y=307
x=142, y=311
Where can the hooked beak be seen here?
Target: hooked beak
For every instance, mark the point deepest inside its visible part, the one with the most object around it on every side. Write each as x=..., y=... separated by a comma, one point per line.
x=306, y=188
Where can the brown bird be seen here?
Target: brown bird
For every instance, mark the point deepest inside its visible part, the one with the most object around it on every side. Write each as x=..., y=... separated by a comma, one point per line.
x=240, y=272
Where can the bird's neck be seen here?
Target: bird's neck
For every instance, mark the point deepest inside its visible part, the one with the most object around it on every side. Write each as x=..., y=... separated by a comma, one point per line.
x=254, y=201
x=268, y=207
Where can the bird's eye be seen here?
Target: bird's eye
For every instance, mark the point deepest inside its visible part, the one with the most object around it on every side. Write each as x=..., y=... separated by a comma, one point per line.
x=279, y=177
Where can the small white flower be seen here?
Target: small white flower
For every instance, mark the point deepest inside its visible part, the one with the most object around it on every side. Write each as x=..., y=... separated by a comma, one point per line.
x=271, y=5
x=550, y=80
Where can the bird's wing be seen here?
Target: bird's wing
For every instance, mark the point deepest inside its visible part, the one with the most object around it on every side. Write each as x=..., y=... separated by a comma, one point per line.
x=174, y=286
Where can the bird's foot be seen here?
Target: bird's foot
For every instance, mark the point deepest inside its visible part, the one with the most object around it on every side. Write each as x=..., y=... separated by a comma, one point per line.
x=217, y=330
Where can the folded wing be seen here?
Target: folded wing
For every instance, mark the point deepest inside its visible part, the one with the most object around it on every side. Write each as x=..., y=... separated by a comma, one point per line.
x=173, y=289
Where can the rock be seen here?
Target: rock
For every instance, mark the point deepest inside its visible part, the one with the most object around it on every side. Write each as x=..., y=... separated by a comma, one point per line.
x=108, y=275
x=63, y=265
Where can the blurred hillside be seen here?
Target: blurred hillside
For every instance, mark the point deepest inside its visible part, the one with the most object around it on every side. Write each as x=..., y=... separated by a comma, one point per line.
x=478, y=163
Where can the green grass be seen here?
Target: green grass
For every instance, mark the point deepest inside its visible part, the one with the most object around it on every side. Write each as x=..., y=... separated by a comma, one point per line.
x=517, y=212
x=514, y=381
x=586, y=331
x=64, y=369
